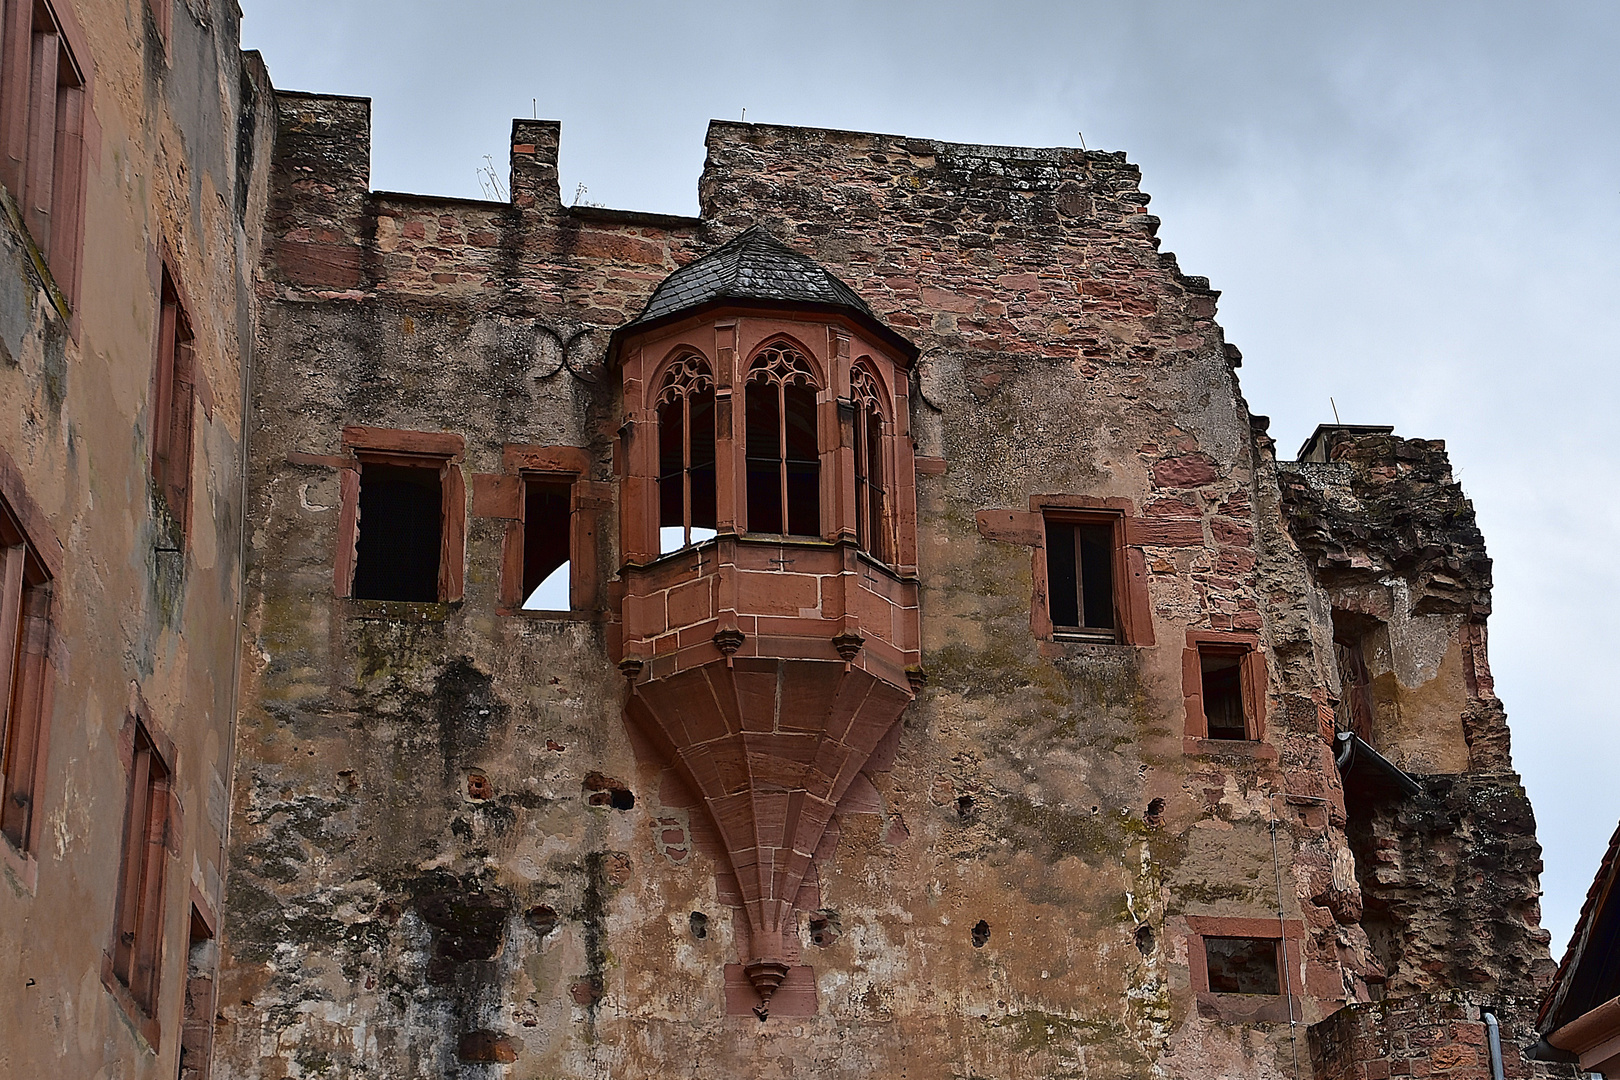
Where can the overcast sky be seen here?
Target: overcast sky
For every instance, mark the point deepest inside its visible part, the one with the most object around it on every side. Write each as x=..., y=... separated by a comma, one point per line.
x=1411, y=208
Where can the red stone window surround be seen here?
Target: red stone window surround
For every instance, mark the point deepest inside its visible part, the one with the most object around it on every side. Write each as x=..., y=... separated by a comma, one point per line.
x=506, y=496
x=197, y=1014
x=1247, y=1008
x=45, y=78
x=132, y=966
x=1132, y=612
x=1213, y=649
x=441, y=451
x=173, y=408
x=29, y=559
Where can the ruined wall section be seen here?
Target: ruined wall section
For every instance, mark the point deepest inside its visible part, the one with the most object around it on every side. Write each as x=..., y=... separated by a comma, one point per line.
x=385, y=919
x=143, y=614
x=1449, y=877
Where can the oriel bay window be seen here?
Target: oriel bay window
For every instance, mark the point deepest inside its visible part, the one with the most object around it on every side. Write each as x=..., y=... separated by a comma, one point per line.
x=686, y=455
x=872, y=527
x=784, y=459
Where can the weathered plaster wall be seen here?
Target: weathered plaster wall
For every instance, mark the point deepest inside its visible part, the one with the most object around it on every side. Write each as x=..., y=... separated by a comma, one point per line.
x=172, y=164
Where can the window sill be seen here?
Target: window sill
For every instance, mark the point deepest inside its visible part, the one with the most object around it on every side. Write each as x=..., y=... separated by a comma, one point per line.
x=146, y=1025
x=21, y=865
x=1252, y=749
x=1245, y=1008
x=541, y=615
x=409, y=611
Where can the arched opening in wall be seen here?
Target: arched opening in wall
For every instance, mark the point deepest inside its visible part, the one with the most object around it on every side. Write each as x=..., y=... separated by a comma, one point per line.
x=873, y=530
x=687, y=511
x=782, y=451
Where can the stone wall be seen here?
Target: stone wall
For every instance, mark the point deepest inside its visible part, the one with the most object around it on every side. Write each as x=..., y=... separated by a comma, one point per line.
x=426, y=877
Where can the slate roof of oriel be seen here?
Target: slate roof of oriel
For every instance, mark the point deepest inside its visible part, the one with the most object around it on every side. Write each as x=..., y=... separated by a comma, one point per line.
x=755, y=268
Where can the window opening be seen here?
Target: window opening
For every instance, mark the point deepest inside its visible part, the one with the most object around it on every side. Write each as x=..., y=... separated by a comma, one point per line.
x=871, y=496
x=173, y=406
x=401, y=527
x=24, y=611
x=1224, y=713
x=137, y=949
x=1240, y=965
x=43, y=91
x=1080, y=579
x=547, y=545
x=197, y=1029
x=1354, y=711
x=783, y=453
x=686, y=455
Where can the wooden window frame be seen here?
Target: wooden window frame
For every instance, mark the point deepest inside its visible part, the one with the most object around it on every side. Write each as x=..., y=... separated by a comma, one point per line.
x=1114, y=522
x=174, y=405
x=1253, y=679
x=501, y=496
x=44, y=113
x=1248, y=1008
x=413, y=449
x=132, y=966
x=29, y=566
x=1133, y=615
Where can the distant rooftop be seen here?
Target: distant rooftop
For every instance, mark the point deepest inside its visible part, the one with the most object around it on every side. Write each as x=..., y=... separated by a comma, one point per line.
x=1315, y=448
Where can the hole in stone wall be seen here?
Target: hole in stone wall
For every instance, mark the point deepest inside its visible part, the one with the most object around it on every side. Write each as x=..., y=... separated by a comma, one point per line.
x=1155, y=812
x=981, y=934
x=604, y=790
x=824, y=927
x=1144, y=939
x=478, y=787
x=964, y=807
x=699, y=923
x=542, y=919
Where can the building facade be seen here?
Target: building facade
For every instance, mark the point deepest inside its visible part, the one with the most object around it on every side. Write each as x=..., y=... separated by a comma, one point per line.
x=134, y=141
x=859, y=629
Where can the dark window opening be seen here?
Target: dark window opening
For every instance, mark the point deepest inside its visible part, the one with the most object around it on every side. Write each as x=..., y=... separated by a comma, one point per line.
x=1240, y=965
x=547, y=545
x=137, y=947
x=1354, y=711
x=1224, y=712
x=762, y=434
x=24, y=632
x=981, y=934
x=396, y=555
x=687, y=506
x=1080, y=579
x=781, y=446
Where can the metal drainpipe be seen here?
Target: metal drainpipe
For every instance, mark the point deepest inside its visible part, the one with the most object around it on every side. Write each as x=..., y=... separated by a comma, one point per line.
x=1493, y=1037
